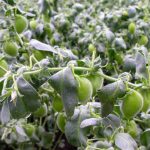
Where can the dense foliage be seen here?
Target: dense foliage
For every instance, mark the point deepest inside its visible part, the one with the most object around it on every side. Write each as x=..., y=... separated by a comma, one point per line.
x=75, y=74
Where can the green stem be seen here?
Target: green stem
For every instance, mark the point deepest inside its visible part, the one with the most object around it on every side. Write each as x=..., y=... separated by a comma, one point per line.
x=19, y=38
x=58, y=141
x=3, y=69
x=75, y=68
x=47, y=90
x=93, y=58
x=4, y=86
x=2, y=56
x=55, y=4
x=30, y=62
x=40, y=148
x=44, y=122
x=40, y=122
x=115, y=79
x=32, y=72
x=138, y=120
x=56, y=69
x=33, y=57
x=15, y=85
x=82, y=69
x=107, y=77
x=54, y=133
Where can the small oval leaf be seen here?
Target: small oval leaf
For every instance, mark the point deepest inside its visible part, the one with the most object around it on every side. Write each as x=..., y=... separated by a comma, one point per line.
x=125, y=142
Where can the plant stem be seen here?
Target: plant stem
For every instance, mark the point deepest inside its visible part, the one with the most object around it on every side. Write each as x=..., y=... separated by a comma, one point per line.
x=82, y=69
x=40, y=122
x=138, y=120
x=44, y=122
x=115, y=79
x=15, y=85
x=55, y=129
x=56, y=69
x=30, y=62
x=3, y=68
x=32, y=72
x=93, y=58
x=75, y=68
x=19, y=38
x=58, y=141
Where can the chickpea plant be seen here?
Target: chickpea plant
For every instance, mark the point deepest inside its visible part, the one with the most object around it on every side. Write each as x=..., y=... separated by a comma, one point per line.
x=74, y=75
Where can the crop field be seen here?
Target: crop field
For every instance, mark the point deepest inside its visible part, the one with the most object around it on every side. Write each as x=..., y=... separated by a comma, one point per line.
x=74, y=75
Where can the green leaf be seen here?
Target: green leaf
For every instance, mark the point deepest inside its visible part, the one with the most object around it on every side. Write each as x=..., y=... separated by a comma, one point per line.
x=120, y=43
x=5, y=113
x=109, y=35
x=43, y=6
x=129, y=64
x=114, y=56
x=145, y=138
x=75, y=135
x=11, y=2
x=109, y=94
x=125, y=142
x=20, y=130
x=45, y=47
x=90, y=122
x=42, y=46
x=106, y=108
x=141, y=70
x=46, y=139
x=101, y=144
x=30, y=96
x=67, y=53
x=111, y=54
x=65, y=84
x=112, y=91
x=18, y=109
x=111, y=121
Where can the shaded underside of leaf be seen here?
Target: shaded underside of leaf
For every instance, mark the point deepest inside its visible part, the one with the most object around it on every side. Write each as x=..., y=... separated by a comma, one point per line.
x=65, y=84
x=76, y=135
x=18, y=109
x=30, y=96
x=141, y=70
x=5, y=113
x=109, y=94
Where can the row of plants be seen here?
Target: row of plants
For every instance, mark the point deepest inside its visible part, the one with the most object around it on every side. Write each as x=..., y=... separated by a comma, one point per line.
x=74, y=74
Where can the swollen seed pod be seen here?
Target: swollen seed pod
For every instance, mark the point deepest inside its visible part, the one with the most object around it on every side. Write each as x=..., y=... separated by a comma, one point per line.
x=97, y=82
x=33, y=24
x=132, y=28
x=61, y=122
x=21, y=23
x=146, y=98
x=132, y=104
x=85, y=89
x=143, y=40
x=10, y=48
